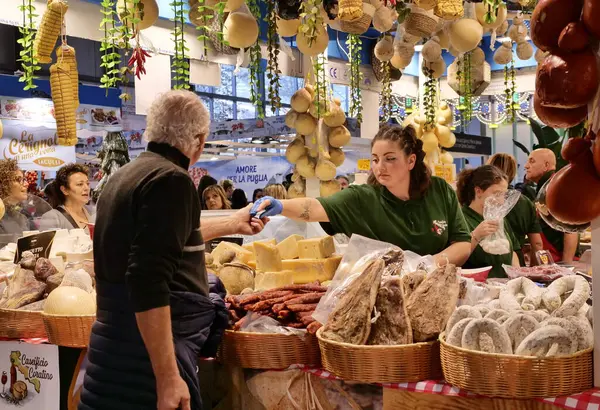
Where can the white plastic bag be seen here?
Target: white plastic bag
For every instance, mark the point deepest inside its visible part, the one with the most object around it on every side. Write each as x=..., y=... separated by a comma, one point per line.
x=495, y=209
x=359, y=253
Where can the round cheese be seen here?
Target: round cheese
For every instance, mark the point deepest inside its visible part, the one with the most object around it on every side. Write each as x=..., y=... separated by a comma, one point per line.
x=70, y=301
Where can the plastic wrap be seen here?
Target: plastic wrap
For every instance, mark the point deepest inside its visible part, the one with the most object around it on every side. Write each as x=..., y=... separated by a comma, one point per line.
x=359, y=253
x=495, y=209
x=473, y=293
x=541, y=273
x=257, y=323
x=78, y=278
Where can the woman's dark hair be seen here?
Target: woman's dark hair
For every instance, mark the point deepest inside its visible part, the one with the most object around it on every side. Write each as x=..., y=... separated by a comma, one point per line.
x=55, y=195
x=238, y=199
x=481, y=177
x=406, y=138
x=204, y=183
x=506, y=163
x=255, y=193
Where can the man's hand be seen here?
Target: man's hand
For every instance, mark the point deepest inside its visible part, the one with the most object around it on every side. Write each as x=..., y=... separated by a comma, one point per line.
x=173, y=393
x=247, y=225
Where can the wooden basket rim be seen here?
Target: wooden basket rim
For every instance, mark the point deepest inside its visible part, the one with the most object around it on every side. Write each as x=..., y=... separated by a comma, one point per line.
x=511, y=356
x=53, y=316
x=375, y=347
x=5, y=310
x=265, y=335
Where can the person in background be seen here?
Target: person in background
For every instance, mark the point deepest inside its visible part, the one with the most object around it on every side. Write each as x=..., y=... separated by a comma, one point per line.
x=13, y=191
x=215, y=199
x=343, y=180
x=522, y=218
x=228, y=187
x=158, y=309
x=257, y=194
x=70, y=192
x=401, y=204
x=473, y=187
x=239, y=199
x=276, y=191
x=204, y=183
x=540, y=167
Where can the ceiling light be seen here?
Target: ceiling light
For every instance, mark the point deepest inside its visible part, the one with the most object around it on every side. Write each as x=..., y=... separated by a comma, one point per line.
x=214, y=158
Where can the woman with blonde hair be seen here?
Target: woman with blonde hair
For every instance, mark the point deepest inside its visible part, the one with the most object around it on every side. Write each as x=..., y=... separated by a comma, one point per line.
x=215, y=198
x=276, y=191
x=522, y=218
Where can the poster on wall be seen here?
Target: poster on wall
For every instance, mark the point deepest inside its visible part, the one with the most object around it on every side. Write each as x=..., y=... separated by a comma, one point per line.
x=29, y=376
x=34, y=147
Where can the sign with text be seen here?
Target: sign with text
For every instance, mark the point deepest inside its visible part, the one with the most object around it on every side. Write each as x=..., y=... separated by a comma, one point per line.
x=34, y=147
x=38, y=244
x=30, y=378
x=472, y=144
x=445, y=171
x=364, y=164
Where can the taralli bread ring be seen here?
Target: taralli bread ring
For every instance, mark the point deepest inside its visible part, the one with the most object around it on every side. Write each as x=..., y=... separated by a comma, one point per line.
x=590, y=316
x=455, y=336
x=518, y=327
x=540, y=343
x=495, y=314
x=494, y=304
x=539, y=315
x=585, y=333
x=569, y=326
x=580, y=295
x=531, y=300
x=503, y=319
x=483, y=309
x=460, y=313
x=491, y=328
x=584, y=310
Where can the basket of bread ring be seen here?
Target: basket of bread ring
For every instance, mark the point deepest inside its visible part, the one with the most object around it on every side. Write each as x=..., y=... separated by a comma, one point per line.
x=526, y=343
x=272, y=329
x=384, y=327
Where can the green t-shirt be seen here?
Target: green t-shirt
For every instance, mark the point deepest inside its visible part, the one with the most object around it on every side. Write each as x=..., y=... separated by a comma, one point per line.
x=426, y=226
x=479, y=258
x=523, y=220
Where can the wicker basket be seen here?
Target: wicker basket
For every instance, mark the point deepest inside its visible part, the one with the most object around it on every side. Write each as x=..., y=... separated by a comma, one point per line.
x=420, y=23
x=69, y=331
x=517, y=377
x=216, y=27
x=21, y=324
x=381, y=364
x=269, y=350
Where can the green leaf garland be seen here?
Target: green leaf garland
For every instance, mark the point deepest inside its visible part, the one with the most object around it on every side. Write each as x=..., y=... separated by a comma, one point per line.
x=180, y=67
x=110, y=58
x=254, y=69
x=354, y=44
x=273, y=72
x=29, y=64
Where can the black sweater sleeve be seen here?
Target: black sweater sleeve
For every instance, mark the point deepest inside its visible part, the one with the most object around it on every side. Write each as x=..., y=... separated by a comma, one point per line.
x=163, y=223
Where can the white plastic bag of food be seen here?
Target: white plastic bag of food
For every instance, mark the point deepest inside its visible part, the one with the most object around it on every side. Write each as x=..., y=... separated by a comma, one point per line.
x=495, y=209
x=359, y=253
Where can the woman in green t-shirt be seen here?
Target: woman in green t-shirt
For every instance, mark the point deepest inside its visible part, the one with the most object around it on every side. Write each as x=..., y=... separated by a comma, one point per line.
x=401, y=204
x=474, y=186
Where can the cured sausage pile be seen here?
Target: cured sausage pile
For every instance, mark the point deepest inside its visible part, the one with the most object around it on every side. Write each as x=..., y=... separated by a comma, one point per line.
x=291, y=305
x=527, y=320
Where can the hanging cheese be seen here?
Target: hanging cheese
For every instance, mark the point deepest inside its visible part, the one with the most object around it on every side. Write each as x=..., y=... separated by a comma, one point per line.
x=241, y=255
x=316, y=248
x=272, y=280
x=268, y=258
x=311, y=270
x=288, y=248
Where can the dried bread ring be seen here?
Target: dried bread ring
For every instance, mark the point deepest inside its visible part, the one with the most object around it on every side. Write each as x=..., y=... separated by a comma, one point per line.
x=570, y=327
x=540, y=343
x=585, y=333
x=531, y=301
x=580, y=295
x=460, y=313
x=494, y=304
x=584, y=310
x=590, y=317
x=495, y=314
x=539, y=315
x=503, y=318
x=483, y=309
x=454, y=338
x=518, y=327
x=491, y=328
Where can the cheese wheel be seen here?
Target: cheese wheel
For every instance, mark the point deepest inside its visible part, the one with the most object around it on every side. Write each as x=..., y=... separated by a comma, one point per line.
x=70, y=301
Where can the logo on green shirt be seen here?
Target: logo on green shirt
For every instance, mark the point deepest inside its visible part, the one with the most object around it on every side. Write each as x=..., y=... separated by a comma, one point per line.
x=439, y=227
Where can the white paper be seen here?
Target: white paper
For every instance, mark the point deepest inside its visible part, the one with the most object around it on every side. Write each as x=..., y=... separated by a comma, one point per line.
x=157, y=80
x=205, y=73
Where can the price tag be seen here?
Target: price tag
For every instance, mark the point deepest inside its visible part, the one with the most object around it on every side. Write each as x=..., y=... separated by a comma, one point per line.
x=445, y=171
x=364, y=164
x=39, y=244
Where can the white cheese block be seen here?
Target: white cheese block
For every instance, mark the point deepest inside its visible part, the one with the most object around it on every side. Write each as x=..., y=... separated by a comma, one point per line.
x=268, y=258
x=288, y=248
x=250, y=246
x=316, y=248
x=271, y=280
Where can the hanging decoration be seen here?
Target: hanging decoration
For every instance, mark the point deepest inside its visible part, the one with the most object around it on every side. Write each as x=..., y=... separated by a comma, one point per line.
x=201, y=15
x=29, y=64
x=320, y=104
x=110, y=57
x=273, y=71
x=255, y=72
x=354, y=44
x=510, y=90
x=312, y=38
x=430, y=99
x=466, y=106
x=386, y=93
x=180, y=67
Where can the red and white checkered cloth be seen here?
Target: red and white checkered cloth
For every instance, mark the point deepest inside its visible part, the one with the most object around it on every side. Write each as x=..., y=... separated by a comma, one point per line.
x=588, y=400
